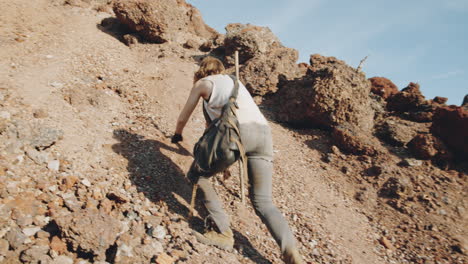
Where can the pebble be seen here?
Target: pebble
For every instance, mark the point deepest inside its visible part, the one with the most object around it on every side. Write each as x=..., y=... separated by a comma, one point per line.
x=86, y=182
x=412, y=162
x=57, y=245
x=34, y=253
x=313, y=243
x=38, y=157
x=442, y=212
x=56, y=84
x=31, y=231
x=5, y=115
x=386, y=243
x=62, y=260
x=159, y=232
x=124, y=250
x=164, y=259
x=40, y=113
x=53, y=165
x=4, y=245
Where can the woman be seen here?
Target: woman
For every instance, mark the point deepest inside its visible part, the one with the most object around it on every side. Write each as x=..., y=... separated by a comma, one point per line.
x=215, y=88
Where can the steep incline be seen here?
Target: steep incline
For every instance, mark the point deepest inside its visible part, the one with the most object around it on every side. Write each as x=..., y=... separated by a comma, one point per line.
x=102, y=113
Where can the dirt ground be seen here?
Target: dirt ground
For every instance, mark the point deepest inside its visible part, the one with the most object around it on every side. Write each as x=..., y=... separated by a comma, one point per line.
x=117, y=107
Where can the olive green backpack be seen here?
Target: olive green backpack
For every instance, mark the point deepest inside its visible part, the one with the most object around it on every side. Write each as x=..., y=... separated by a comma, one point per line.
x=220, y=146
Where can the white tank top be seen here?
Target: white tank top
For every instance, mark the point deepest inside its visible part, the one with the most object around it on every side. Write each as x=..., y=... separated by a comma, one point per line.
x=223, y=85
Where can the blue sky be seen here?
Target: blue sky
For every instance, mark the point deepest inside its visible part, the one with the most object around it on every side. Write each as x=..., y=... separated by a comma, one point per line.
x=413, y=40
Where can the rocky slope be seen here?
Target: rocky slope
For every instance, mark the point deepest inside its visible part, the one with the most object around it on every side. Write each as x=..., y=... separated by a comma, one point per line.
x=88, y=173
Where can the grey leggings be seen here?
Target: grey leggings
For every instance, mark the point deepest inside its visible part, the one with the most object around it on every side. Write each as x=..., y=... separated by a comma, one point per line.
x=259, y=149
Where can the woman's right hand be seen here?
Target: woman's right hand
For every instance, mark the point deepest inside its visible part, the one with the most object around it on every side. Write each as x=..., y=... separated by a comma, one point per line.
x=176, y=138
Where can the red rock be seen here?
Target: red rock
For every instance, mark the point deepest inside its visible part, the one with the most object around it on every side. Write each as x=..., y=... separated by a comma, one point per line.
x=450, y=123
x=264, y=60
x=57, y=245
x=330, y=94
x=162, y=21
x=408, y=99
x=398, y=132
x=426, y=146
x=91, y=231
x=249, y=40
x=386, y=243
x=106, y=206
x=354, y=141
x=68, y=182
x=383, y=87
x=440, y=100
x=26, y=204
x=164, y=258
x=262, y=73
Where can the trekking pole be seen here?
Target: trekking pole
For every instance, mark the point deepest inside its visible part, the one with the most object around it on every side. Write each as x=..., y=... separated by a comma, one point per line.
x=241, y=166
x=236, y=54
x=192, y=201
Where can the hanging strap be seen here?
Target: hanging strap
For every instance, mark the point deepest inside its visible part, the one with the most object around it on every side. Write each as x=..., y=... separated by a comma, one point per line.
x=235, y=91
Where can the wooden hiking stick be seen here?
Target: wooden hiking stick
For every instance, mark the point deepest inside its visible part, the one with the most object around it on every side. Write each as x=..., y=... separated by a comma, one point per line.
x=241, y=166
x=192, y=202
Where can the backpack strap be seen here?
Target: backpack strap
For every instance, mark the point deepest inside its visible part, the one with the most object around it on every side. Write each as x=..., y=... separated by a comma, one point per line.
x=235, y=91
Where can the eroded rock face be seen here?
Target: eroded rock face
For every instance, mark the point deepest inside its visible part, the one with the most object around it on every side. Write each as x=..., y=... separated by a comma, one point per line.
x=89, y=231
x=427, y=146
x=398, y=132
x=383, y=87
x=354, y=141
x=249, y=40
x=440, y=100
x=396, y=188
x=410, y=104
x=330, y=94
x=263, y=73
x=162, y=21
x=264, y=60
x=408, y=99
x=450, y=123
x=465, y=102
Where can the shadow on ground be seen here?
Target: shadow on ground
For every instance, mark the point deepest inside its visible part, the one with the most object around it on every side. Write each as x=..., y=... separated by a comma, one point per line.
x=162, y=180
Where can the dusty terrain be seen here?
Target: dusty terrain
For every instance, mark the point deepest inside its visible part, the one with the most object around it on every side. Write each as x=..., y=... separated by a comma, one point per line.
x=88, y=173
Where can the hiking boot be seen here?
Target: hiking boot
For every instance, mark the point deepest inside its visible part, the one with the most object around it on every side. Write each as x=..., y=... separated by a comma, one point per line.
x=223, y=240
x=292, y=256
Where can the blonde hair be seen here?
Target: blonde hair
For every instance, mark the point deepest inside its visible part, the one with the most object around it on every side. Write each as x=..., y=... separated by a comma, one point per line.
x=208, y=66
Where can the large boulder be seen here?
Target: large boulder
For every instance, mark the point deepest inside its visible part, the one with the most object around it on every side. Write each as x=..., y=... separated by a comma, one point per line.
x=383, y=87
x=450, y=123
x=262, y=74
x=330, y=94
x=249, y=40
x=353, y=140
x=264, y=60
x=89, y=231
x=162, y=21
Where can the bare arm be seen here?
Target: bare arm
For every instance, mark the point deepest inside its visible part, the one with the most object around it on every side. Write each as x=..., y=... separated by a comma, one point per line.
x=200, y=89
